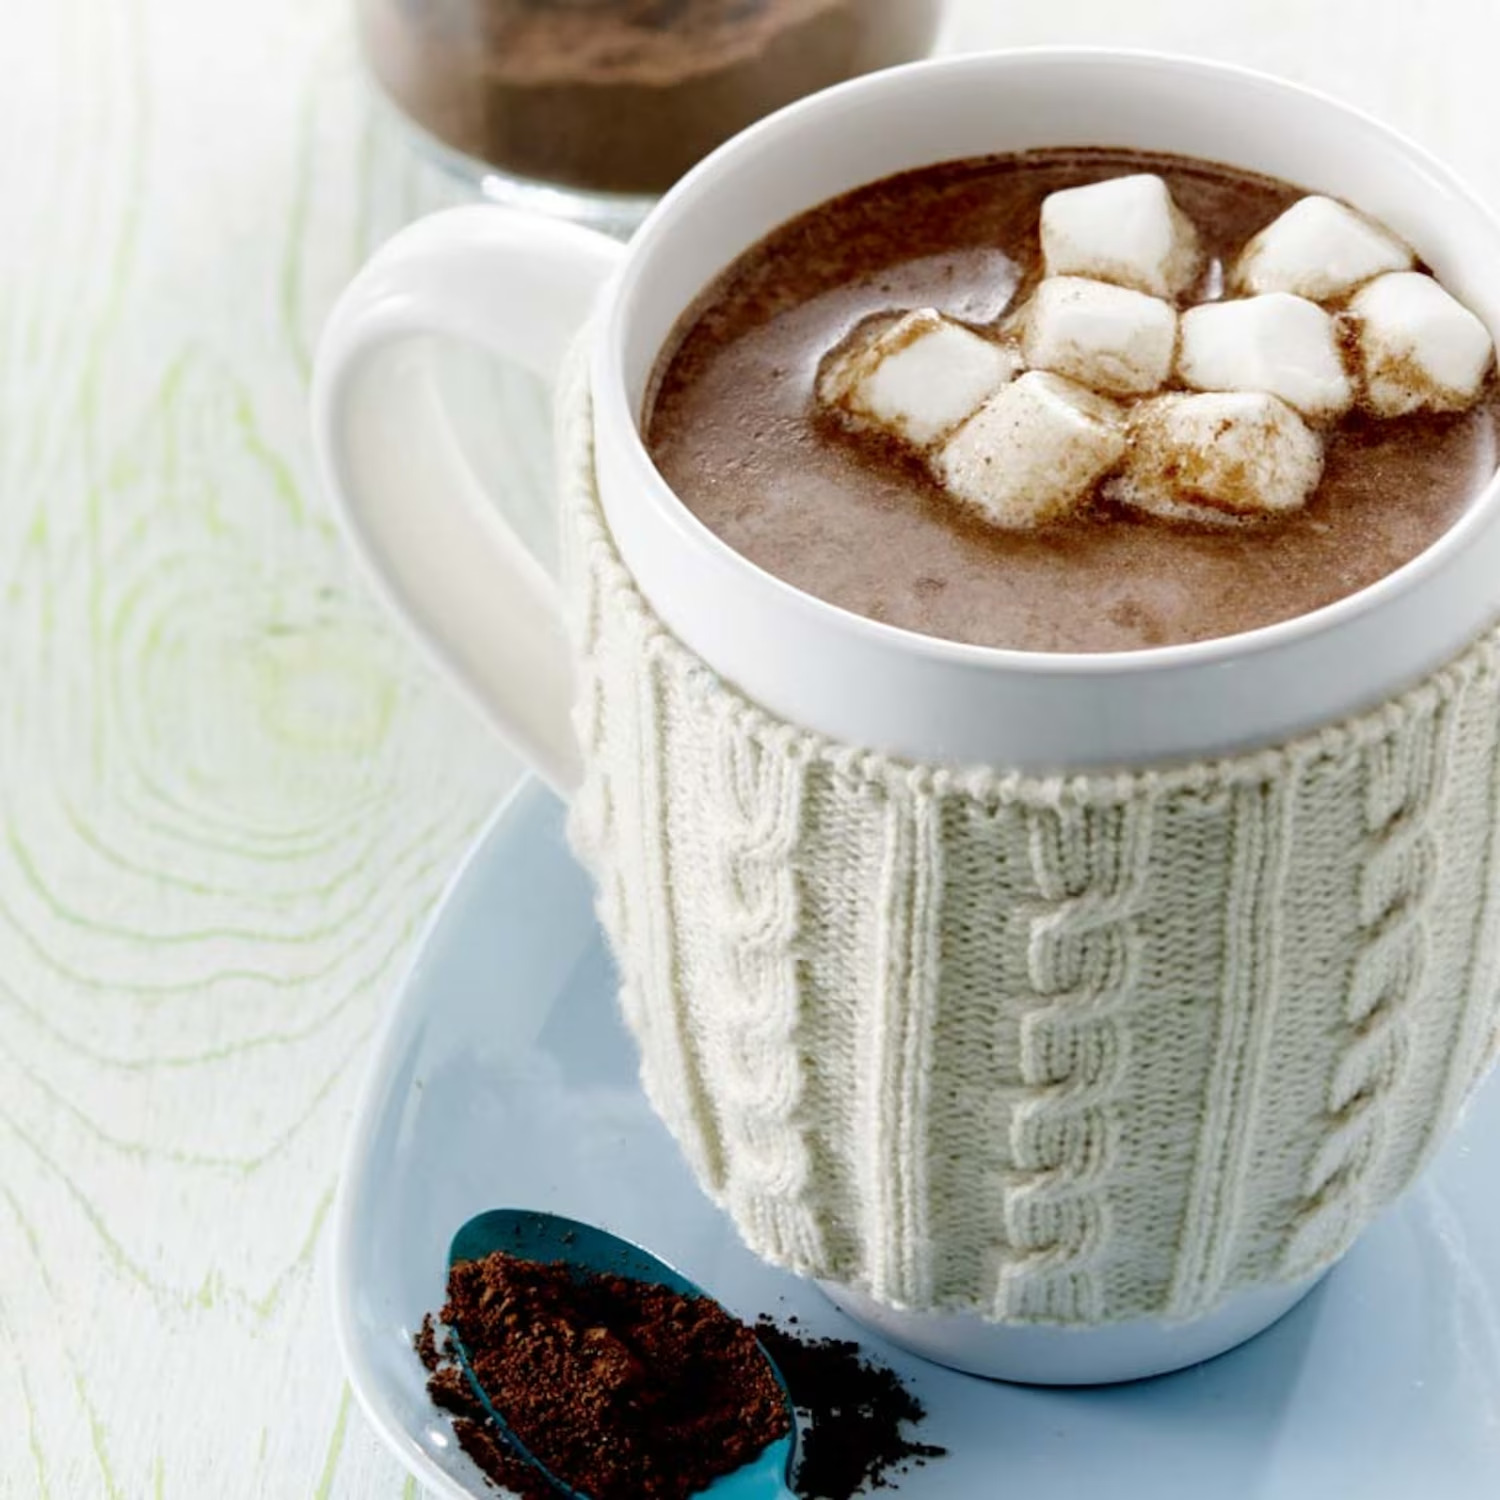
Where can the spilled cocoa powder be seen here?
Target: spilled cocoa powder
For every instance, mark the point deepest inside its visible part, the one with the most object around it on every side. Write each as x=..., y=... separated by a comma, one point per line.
x=856, y=1415
x=630, y=1390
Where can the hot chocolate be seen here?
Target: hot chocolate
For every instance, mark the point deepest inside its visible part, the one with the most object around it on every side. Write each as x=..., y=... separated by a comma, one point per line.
x=736, y=424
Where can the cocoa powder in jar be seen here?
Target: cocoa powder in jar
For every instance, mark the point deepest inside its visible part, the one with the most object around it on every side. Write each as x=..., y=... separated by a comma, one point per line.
x=621, y=96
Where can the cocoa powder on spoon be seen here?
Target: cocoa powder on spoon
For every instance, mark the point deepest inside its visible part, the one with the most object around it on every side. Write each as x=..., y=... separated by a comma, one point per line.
x=630, y=1391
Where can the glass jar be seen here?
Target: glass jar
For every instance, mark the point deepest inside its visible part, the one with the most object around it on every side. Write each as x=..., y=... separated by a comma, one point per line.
x=590, y=108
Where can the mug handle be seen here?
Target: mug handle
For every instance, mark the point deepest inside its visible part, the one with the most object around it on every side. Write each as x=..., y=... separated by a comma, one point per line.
x=516, y=286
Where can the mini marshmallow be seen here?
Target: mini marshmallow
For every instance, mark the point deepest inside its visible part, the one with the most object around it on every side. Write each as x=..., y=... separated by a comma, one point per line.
x=916, y=378
x=1280, y=344
x=1420, y=349
x=1112, y=339
x=1218, y=456
x=1321, y=250
x=1033, y=451
x=1126, y=230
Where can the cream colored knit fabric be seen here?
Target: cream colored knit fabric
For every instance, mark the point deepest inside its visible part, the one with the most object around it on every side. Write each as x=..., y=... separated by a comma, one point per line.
x=1058, y=1050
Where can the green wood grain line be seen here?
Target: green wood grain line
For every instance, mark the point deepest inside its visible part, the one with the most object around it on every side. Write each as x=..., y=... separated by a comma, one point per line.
x=335, y=1448
x=211, y=1292
x=242, y=1165
x=290, y=281
x=33, y=1440
x=165, y=1062
x=302, y=1262
x=99, y=1442
x=254, y=890
x=41, y=1267
x=119, y=1261
x=200, y=985
x=130, y=173
x=315, y=935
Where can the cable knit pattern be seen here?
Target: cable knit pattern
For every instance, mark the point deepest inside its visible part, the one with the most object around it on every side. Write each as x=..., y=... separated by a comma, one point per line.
x=1083, y=962
x=1257, y=847
x=759, y=789
x=1403, y=785
x=1062, y=1050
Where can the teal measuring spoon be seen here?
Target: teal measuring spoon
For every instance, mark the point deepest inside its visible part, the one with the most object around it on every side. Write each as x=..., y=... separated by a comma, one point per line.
x=549, y=1238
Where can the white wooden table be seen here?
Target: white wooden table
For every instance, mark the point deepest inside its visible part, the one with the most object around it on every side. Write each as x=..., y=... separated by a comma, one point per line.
x=229, y=792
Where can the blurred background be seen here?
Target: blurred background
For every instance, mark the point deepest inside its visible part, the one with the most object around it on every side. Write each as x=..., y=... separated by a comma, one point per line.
x=229, y=793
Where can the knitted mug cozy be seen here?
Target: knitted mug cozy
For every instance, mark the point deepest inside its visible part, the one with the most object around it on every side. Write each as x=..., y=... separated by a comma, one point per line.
x=1052, y=1049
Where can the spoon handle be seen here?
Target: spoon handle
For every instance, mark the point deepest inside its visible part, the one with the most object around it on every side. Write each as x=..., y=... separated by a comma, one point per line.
x=763, y=1478
x=752, y=1484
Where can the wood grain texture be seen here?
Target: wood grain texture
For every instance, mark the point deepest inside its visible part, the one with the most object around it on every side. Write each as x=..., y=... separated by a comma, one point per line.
x=229, y=792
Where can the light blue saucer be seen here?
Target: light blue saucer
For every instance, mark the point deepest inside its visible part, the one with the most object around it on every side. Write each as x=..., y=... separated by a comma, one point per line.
x=504, y=1078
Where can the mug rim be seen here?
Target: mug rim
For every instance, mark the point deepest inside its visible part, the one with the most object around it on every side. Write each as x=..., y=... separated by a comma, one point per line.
x=666, y=219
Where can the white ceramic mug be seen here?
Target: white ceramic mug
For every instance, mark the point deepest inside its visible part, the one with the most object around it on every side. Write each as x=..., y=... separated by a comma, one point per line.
x=522, y=288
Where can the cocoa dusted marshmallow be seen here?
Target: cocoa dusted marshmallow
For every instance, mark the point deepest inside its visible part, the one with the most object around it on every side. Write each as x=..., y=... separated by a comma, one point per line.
x=1111, y=338
x=1126, y=230
x=1321, y=250
x=915, y=378
x=1420, y=349
x=1283, y=345
x=1033, y=452
x=1216, y=456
